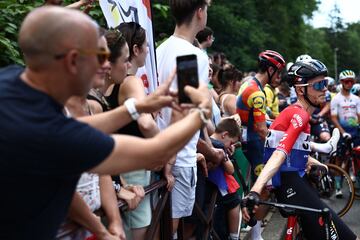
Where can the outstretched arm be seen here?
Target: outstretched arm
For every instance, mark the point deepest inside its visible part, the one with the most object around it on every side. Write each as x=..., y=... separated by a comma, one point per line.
x=157, y=150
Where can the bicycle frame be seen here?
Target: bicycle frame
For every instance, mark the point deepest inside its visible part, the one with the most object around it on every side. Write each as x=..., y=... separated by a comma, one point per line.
x=294, y=211
x=290, y=227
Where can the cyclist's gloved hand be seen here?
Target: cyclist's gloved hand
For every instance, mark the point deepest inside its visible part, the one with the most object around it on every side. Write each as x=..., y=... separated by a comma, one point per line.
x=346, y=136
x=249, y=202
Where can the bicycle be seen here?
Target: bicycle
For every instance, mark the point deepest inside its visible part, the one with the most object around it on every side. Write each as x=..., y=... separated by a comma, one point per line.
x=326, y=187
x=293, y=229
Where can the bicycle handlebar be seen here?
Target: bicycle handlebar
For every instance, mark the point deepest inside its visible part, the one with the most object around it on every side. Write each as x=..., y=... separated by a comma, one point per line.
x=324, y=213
x=296, y=208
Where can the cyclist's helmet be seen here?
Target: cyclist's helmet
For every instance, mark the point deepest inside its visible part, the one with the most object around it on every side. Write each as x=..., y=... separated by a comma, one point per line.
x=302, y=71
x=331, y=81
x=355, y=89
x=346, y=74
x=303, y=57
x=271, y=58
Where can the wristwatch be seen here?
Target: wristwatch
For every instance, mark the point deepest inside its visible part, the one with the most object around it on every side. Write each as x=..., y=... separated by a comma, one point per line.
x=130, y=106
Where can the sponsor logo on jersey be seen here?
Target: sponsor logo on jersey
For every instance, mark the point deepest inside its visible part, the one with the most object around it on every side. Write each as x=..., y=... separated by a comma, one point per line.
x=258, y=169
x=258, y=102
x=297, y=121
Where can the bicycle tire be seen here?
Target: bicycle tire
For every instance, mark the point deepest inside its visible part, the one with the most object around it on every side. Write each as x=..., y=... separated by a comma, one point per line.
x=340, y=205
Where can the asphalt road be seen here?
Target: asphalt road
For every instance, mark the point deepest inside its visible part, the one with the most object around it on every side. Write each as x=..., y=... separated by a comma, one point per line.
x=352, y=217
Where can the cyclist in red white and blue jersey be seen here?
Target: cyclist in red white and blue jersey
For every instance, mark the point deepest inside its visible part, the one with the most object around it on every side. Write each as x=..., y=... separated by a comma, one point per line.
x=287, y=150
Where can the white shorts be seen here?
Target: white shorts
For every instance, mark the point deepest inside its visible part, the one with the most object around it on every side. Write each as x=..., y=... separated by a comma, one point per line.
x=183, y=193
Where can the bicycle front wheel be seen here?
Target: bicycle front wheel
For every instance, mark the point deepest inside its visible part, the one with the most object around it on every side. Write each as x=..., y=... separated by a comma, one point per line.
x=338, y=190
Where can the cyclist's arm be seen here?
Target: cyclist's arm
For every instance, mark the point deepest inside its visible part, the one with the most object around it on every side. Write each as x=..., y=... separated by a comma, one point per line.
x=269, y=170
x=261, y=129
x=312, y=161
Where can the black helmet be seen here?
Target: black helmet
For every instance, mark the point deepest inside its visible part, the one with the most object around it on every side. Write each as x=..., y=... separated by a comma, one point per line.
x=301, y=72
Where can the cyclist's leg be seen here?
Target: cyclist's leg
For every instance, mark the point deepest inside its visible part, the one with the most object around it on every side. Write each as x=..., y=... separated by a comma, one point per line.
x=254, y=153
x=297, y=191
x=341, y=153
x=321, y=131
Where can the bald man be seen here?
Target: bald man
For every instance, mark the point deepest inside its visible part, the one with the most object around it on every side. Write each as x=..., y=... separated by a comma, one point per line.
x=42, y=151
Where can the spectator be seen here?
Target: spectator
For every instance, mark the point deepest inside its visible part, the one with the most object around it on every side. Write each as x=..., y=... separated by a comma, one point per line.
x=230, y=81
x=214, y=81
x=206, y=38
x=190, y=18
x=145, y=126
x=55, y=149
x=226, y=134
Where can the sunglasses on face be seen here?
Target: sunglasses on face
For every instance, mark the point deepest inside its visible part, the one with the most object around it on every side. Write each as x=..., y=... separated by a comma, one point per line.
x=101, y=55
x=318, y=86
x=348, y=81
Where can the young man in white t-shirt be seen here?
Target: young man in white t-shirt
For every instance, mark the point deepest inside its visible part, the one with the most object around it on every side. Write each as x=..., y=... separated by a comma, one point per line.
x=190, y=17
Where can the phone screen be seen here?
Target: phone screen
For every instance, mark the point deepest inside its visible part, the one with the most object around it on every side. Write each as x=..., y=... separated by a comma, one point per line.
x=187, y=74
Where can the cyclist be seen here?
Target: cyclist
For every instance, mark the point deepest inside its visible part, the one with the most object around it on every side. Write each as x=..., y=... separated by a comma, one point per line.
x=287, y=150
x=251, y=107
x=345, y=114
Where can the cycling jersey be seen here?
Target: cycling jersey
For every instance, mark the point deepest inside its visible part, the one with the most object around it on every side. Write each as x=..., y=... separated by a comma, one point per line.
x=346, y=108
x=250, y=105
x=272, y=101
x=289, y=133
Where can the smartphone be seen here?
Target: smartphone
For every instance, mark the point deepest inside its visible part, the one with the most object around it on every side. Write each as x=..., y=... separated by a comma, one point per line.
x=187, y=74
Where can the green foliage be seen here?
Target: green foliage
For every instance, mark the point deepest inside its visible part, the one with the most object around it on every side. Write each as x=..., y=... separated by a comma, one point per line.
x=12, y=13
x=242, y=29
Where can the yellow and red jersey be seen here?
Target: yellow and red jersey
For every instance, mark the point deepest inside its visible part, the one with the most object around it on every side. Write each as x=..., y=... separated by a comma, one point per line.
x=251, y=105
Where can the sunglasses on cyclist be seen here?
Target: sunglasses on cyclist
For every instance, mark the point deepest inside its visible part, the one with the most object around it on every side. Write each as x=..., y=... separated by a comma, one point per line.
x=101, y=55
x=318, y=86
x=348, y=81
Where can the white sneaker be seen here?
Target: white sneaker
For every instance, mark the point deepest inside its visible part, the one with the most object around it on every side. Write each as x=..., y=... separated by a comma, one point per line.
x=338, y=193
x=334, y=141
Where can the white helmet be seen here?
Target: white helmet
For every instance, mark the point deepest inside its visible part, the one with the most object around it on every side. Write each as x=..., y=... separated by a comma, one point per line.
x=346, y=74
x=303, y=57
x=331, y=81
